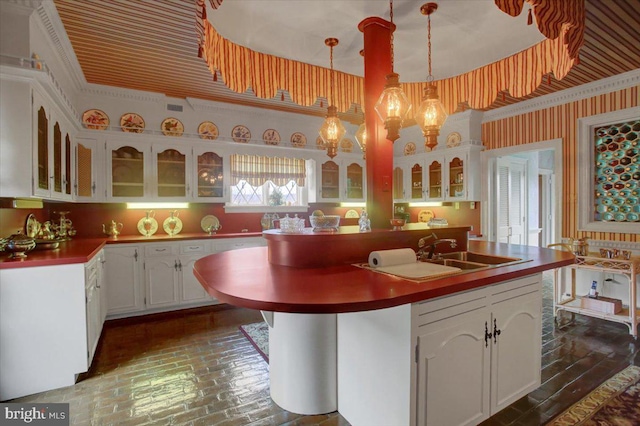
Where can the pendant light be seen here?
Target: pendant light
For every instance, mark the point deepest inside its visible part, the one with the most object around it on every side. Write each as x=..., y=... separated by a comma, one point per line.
x=430, y=115
x=392, y=106
x=332, y=130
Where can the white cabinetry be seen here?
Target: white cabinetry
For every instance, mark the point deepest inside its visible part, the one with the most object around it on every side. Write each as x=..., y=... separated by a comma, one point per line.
x=52, y=159
x=125, y=293
x=155, y=277
x=476, y=355
x=50, y=326
x=454, y=360
x=95, y=296
x=341, y=180
x=88, y=177
x=451, y=174
x=209, y=175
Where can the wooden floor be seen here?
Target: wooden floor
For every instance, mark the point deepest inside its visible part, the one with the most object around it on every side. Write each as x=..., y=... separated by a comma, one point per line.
x=195, y=367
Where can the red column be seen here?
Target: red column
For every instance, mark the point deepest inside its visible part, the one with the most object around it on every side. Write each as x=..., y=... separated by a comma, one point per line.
x=377, y=64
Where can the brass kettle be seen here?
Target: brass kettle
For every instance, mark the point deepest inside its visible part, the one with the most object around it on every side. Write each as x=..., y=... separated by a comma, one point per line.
x=114, y=229
x=579, y=246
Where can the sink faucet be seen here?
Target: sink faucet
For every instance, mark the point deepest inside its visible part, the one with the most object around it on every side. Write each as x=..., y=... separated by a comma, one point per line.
x=427, y=250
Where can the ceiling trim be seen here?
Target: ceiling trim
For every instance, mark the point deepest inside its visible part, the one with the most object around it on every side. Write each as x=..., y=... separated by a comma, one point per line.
x=584, y=91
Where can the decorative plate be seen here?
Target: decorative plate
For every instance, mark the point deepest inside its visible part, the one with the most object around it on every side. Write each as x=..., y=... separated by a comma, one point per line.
x=147, y=226
x=174, y=222
x=208, y=130
x=172, y=127
x=351, y=214
x=241, y=134
x=409, y=148
x=453, y=139
x=425, y=216
x=319, y=143
x=210, y=223
x=298, y=140
x=271, y=137
x=346, y=145
x=131, y=123
x=32, y=226
x=95, y=119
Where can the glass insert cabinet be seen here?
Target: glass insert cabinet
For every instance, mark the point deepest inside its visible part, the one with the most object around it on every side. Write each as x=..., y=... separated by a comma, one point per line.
x=342, y=180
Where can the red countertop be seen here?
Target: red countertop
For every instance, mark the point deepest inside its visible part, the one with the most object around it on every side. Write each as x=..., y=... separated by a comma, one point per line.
x=81, y=250
x=246, y=278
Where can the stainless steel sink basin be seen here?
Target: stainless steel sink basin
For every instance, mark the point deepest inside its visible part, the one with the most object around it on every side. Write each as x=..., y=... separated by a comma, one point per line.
x=487, y=259
x=464, y=265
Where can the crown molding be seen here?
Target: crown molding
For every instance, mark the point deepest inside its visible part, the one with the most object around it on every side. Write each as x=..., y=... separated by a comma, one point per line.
x=91, y=89
x=584, y=91
x=22, y=7
x=50, y=23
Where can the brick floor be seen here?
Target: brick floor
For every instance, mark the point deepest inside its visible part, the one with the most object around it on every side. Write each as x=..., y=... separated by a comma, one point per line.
x=194, y=367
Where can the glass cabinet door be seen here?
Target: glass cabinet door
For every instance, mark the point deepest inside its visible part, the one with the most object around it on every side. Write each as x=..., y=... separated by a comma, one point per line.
x=85, y=186
x=210, y=175
x=127, y=172
x=330, y=175
x=456, y=177
x=43, y=150
x=171, y=174
x=67, y=165
x=416, y=182
x=435, y=180
x=398, y=183
x=57, y=158
x=355, y=181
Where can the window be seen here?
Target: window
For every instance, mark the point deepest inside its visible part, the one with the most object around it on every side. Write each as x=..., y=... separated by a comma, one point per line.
x=261, y=181
x=609, y=184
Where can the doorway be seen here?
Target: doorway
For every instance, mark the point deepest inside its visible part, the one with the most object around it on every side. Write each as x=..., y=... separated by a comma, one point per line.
x=522, y=202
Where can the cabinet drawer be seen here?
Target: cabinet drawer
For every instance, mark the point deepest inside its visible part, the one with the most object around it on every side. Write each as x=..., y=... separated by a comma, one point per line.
x=158, y=250
x=194, y=247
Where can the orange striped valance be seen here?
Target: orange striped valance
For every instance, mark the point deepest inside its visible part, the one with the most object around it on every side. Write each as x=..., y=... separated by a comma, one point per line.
x=257, y=170
x=242, y=68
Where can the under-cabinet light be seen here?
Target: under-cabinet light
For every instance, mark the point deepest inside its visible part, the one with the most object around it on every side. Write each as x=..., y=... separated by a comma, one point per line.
x=426, y=204
x=353, y=204
x=27, y=204
x=157, y=205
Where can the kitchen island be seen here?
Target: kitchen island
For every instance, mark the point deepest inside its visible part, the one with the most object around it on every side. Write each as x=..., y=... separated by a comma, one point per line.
x=386, y=350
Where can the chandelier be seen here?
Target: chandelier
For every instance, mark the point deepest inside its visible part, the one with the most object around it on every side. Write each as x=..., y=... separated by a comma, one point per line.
x=392, y=106
x=430, y=115
x=332, y=130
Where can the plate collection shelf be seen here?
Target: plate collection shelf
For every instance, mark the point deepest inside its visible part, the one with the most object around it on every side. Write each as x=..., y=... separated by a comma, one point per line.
x=570, y=302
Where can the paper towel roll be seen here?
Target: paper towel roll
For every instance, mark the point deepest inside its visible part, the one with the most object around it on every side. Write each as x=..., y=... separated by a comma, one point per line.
x=391, y=257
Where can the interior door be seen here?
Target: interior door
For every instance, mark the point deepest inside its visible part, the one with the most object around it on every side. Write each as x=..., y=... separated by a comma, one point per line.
x=511, y=200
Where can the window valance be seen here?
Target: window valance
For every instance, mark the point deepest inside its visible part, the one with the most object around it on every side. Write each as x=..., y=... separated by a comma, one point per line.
x=257, y=170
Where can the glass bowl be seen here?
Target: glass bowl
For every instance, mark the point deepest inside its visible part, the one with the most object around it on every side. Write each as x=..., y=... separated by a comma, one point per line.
x=328, y=222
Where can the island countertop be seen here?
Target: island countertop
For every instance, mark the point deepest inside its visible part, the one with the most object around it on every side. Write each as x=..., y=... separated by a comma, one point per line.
x=246, y=278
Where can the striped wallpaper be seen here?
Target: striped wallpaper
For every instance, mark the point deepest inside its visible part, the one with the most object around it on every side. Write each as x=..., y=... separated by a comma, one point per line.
x=562, y=122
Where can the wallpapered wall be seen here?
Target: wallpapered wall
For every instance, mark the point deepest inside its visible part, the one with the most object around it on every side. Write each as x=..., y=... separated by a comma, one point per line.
x=562, y=122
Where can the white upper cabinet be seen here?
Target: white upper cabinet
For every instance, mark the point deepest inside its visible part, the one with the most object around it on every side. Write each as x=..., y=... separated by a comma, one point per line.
x=210, y=175
x=341, y=180
x=451, y=174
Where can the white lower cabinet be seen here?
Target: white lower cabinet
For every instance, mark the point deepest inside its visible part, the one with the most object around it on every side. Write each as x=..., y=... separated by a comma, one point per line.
x=478, y=353
x=123, y=272
x=95, y=298
x=154, y=277
x=470, y=355
x=51, y=319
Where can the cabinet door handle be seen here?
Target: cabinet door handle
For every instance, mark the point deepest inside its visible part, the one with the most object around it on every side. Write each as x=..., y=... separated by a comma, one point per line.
x=180, y=265
x=487, y=335
x=175, y=265
x=496, y=332
x=93, y=188
x=161, y=249
x=135, y=256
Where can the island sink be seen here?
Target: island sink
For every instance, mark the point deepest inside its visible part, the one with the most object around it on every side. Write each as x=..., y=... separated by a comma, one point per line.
x=469, y=261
